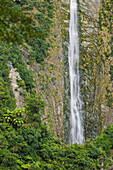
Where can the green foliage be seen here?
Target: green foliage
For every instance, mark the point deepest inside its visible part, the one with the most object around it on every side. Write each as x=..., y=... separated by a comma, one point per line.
x=6, y=94
x=40, y=50
x=15, y=56
x=111, y=72
x=105, y=141
x=15, y=117
x=4, y=70
x=34, y=106
x=15, y=25
x=20, y=140
x=109, y=97
x=39, y=44
x=28, y=144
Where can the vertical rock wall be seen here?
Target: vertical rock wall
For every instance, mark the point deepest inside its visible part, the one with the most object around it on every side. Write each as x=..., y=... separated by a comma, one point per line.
x=49, y=77
x=95, y=66
x=65, y=40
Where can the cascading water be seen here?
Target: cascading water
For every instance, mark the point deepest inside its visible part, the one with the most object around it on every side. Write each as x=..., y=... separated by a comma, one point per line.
x=76, y=134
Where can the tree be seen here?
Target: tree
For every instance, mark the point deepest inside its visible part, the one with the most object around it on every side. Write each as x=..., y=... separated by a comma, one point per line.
x=15, y=24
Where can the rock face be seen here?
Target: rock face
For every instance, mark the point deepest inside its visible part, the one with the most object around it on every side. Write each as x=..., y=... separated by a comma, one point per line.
x=95, y=64
x=51, y=78
x=14, y=75
x=88, y=12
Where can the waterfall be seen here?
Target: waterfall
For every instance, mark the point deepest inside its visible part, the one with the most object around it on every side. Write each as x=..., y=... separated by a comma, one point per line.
x=76, y=134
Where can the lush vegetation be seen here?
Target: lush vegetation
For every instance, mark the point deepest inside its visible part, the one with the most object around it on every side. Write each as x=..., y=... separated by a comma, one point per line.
x=42, y=12
x=25, y=141
x=15, y=25
x=36, y=47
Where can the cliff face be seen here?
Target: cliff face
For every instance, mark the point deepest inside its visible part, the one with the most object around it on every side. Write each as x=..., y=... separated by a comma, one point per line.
x=88, y=12
x=45, y=60
x=42, y=65
x=96, y=61
x=49, y=77
x=52, y=79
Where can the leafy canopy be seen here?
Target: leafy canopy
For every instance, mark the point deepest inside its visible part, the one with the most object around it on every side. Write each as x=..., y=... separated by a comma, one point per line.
x=15, y=24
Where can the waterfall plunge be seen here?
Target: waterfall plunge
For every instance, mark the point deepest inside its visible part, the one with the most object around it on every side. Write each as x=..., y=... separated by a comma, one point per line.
x=76, y=135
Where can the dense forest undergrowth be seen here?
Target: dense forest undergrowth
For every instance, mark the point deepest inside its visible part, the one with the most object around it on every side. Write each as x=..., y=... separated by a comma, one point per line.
x=26, y=142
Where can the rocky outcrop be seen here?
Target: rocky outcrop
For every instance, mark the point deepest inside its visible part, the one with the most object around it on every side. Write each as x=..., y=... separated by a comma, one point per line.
x=14, y=75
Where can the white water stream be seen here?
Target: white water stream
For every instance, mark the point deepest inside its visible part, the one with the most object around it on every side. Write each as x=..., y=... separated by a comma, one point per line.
x=76, y=135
